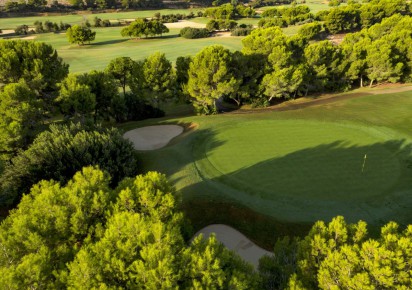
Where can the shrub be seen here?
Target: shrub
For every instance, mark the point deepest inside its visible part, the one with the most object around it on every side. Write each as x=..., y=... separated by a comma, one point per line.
x=21, y=30
x=272, y=22
x=310, y=30
x=241, y=31
x=61, y=151
x=191, y=33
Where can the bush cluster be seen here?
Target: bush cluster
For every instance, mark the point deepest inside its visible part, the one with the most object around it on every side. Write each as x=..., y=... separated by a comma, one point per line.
x=242, y=30
x=144, y=27
x=48, y=26
x=229, y=11
x=221, y=25
x=283, y=17
x=170, y=18
x=191, y=33
x=98, y=22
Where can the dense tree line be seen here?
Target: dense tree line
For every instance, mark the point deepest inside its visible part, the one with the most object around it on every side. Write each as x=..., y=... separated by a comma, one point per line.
x=48, y=26
x=37, y=85
x=262, y=3
x=285, y=16
x=293, y=66
x=357, y=16
x=85, y=235
x=63, y=6
x=229, y=11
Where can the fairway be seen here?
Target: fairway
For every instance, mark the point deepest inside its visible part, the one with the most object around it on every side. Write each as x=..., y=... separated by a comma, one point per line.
x=109, y=44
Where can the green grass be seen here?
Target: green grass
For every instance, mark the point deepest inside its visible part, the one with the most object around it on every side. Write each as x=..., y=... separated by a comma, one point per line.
x=109, y=44
x=274, y=173
x=314, y=5
x=13, y=22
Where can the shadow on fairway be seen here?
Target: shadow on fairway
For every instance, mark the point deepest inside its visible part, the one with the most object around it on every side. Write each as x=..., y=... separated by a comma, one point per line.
x=371, y=183
x=114, y=41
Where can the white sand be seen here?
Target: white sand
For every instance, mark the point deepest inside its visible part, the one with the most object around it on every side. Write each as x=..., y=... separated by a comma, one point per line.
x=185, y=23
x=153, y=137
x=28, y=37
x=7, y=31
x=222, y=34
x=236, y=241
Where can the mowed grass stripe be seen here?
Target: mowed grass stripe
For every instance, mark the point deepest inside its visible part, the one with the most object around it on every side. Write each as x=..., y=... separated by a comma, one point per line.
x=303, y=160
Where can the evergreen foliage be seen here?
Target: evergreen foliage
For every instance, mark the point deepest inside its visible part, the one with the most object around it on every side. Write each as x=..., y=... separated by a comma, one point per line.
x=210, y=77
x=20, y=114
x=80, y=34
x=85, y=235
x=192, y=33
x=37, y=63
x=144, y=27
x=63, y=150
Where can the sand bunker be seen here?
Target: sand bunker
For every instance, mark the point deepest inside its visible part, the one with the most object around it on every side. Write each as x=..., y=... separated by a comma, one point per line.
x=185, y=23
x=236, y=241
x=7, y=31
x=153, y=137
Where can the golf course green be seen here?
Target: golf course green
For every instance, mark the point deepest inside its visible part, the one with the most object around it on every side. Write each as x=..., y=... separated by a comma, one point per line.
x=275, y=172
x=296, y=170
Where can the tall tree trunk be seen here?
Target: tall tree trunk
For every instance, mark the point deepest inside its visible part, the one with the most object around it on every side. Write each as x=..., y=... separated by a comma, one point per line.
x=371, y=83
x=361, y=81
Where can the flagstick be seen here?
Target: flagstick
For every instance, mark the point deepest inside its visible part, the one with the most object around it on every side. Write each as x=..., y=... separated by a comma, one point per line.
x=364, y=161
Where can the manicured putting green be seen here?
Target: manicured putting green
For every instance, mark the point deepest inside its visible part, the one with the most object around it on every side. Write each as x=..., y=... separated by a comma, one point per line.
x=294, y=165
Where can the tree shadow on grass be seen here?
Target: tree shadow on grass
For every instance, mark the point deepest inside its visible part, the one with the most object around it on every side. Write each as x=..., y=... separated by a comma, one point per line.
x=108, y=42
x=361, y=182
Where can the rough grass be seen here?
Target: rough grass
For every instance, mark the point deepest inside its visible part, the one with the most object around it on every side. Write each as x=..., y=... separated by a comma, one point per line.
x=294, y=167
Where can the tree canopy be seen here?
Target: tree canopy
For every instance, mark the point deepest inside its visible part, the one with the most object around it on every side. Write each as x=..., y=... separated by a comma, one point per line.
x=158, y=78
x=210, y=77
x=86, y=235
x=142, y=26
x=37, y=63
x=80, y=34
x=19, y=116
x=63, y=150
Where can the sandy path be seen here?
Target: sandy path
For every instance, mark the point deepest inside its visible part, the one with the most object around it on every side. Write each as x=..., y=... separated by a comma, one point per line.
x=153, y=137
x=236, y=241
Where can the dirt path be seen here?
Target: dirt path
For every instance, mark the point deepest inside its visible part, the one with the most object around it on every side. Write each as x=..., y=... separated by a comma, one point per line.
x=235, y=241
